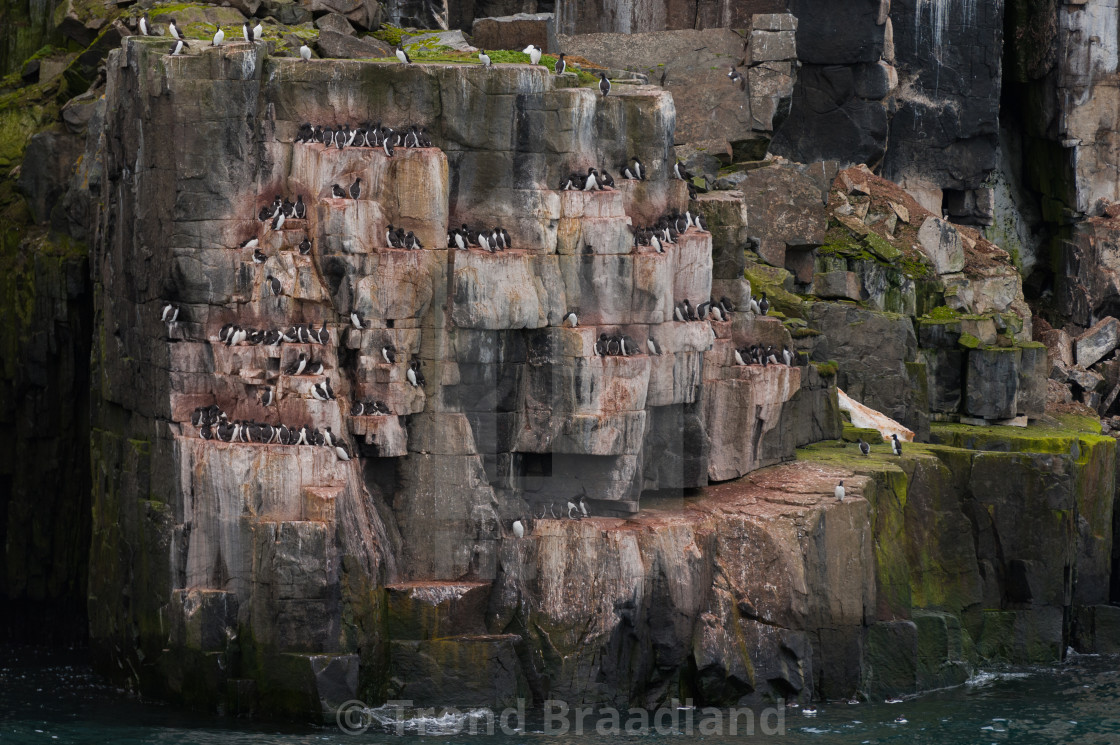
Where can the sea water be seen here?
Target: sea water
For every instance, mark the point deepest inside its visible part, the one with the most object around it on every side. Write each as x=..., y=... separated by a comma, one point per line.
x=52, y=696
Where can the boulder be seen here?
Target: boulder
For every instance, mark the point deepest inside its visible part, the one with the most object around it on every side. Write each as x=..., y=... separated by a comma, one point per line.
x=1098, y=342
x=517, y=32
x=345, y=46
x=366, y=14
x=335, y=22
x=842, y=285
x=942, y=244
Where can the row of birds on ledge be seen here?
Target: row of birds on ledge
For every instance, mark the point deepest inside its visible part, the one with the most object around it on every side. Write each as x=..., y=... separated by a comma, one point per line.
x=367, y=135
x=253, y=31
x=233, y=335
x=214, y=424
x=600, y=180
x=755, y=354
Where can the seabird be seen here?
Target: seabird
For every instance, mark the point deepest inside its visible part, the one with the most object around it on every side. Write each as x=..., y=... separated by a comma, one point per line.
x=592, y=183
x=518, y=528
x=739, y=357
x=341, y=452
x=266, y=397
x=247, y=29
x=653, y=347
x=358, y=409
x=839, y=491
x=606, y=181
x=601, y=345
x=305, y=52
x=402, y=55
x=583, y=507
x=177, y=47
x=145, y=26
x=561, y=65
x=356, y=188
x=604, y=84
x=315, y=368
x=639, y=171
x=763, y=305
x=259, y=256
x=170, y=313
x=680, y=172
x=278, y=221
x=296, y=368
x=389, y=353
x=173, y=30
x=338, y=192
x=570, y=320
x=737, y=78
x=357, y=320
x=319, y=392
x=305, y=246
x=787, y=356
x=274, y=285
x=411, y=241
x=300, y=209
x=415, y=377
x=484, y=58
x=534, y=53
x=896, y=445
x=258, y=31
x=219, y=37
x=678, y=313
x=864, y=447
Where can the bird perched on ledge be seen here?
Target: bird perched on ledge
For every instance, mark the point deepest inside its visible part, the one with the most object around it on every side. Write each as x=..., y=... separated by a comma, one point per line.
x=604, y=84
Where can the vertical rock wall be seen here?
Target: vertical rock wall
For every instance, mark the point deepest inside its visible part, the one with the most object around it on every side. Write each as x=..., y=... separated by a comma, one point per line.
x=262, y=568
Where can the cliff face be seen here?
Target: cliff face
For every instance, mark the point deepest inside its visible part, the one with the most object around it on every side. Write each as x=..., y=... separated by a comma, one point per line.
x=283, y=580
x=285, y=547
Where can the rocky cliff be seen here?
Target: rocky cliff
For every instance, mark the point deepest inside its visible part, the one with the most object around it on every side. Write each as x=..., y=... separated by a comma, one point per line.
x=714, y=560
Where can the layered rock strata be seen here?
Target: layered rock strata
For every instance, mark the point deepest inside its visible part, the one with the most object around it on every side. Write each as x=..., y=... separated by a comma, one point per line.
x=253, y=559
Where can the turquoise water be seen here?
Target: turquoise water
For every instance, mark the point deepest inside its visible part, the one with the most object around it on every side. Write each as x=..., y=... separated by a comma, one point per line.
x=53, y=697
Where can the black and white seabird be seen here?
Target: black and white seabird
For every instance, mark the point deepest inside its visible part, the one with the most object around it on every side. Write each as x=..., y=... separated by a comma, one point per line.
x=484, y=58
x=305, y=52
x=787, y=356
x=319, y=392
x=601, y=345
x=402, y=55
x=219, y=37
x=297, y=367
x=606, y=181
x=358, y=409
x=592, y=182
x=534, y=53
x=314, y=368
x=389, y=353
x=737, y=78
x=338, y=192
x=341, y=451
x=145, y=25
x=678, y=313
x=278, y=221
x=739, y=357
x=247, y=30
x=300, y=209
x=864, y=447
x=356, y=188
x=259, y=256
x=680, y=172
x=357, y=320
x=305, y=246
x=839, y=491
x=170, y=313
x=763, y=305
x=896, y=445
x=173, y=29
x=604, y=84
x=653, y=347
x=561, y=65
x=266, y=397
x=178, y=47
x=639, y=170
x=274, y=285
x=571, y=320
x=518, y=528
x=258, y=31
x=414, y=375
